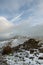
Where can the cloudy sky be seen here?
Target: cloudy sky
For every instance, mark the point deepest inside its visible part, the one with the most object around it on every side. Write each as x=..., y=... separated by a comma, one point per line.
x=24, y=17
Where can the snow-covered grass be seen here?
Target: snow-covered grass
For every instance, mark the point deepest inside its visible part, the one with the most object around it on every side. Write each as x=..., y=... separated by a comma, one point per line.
x=23, y=58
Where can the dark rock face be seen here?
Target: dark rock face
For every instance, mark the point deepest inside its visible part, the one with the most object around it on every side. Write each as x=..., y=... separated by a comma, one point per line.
x=7, y=50
x=31, y=44
x=27, y=45
x=2, y=61
x=31, y=51
x=41, y=50
x=40, y=58
x=15, y=48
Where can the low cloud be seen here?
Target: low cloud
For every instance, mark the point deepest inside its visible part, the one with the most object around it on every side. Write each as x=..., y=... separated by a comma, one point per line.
x=4, y=24
x=31, y=22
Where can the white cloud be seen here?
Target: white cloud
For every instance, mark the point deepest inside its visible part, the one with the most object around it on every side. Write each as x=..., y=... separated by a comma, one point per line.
x=33, y=25
x=17, y=17
x=4, y=24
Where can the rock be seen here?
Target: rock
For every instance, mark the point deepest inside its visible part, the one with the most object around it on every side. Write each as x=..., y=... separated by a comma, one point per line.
x=29, y=44
x=40, y=58
x=2, y=61
x=31, y=51
x=7, y=50
x=41, y=50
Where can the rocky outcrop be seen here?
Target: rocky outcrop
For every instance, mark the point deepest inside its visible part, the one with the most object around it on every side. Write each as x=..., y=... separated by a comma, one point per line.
x=7, y=50
x=2, y=61
x=41, y=50
x=27, y=45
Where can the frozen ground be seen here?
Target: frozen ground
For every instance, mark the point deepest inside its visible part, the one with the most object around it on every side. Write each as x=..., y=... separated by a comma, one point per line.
x=24, y=58
x=21, y=58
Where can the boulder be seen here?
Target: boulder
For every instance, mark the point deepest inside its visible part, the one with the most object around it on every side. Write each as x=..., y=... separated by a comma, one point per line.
x=7, y=50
